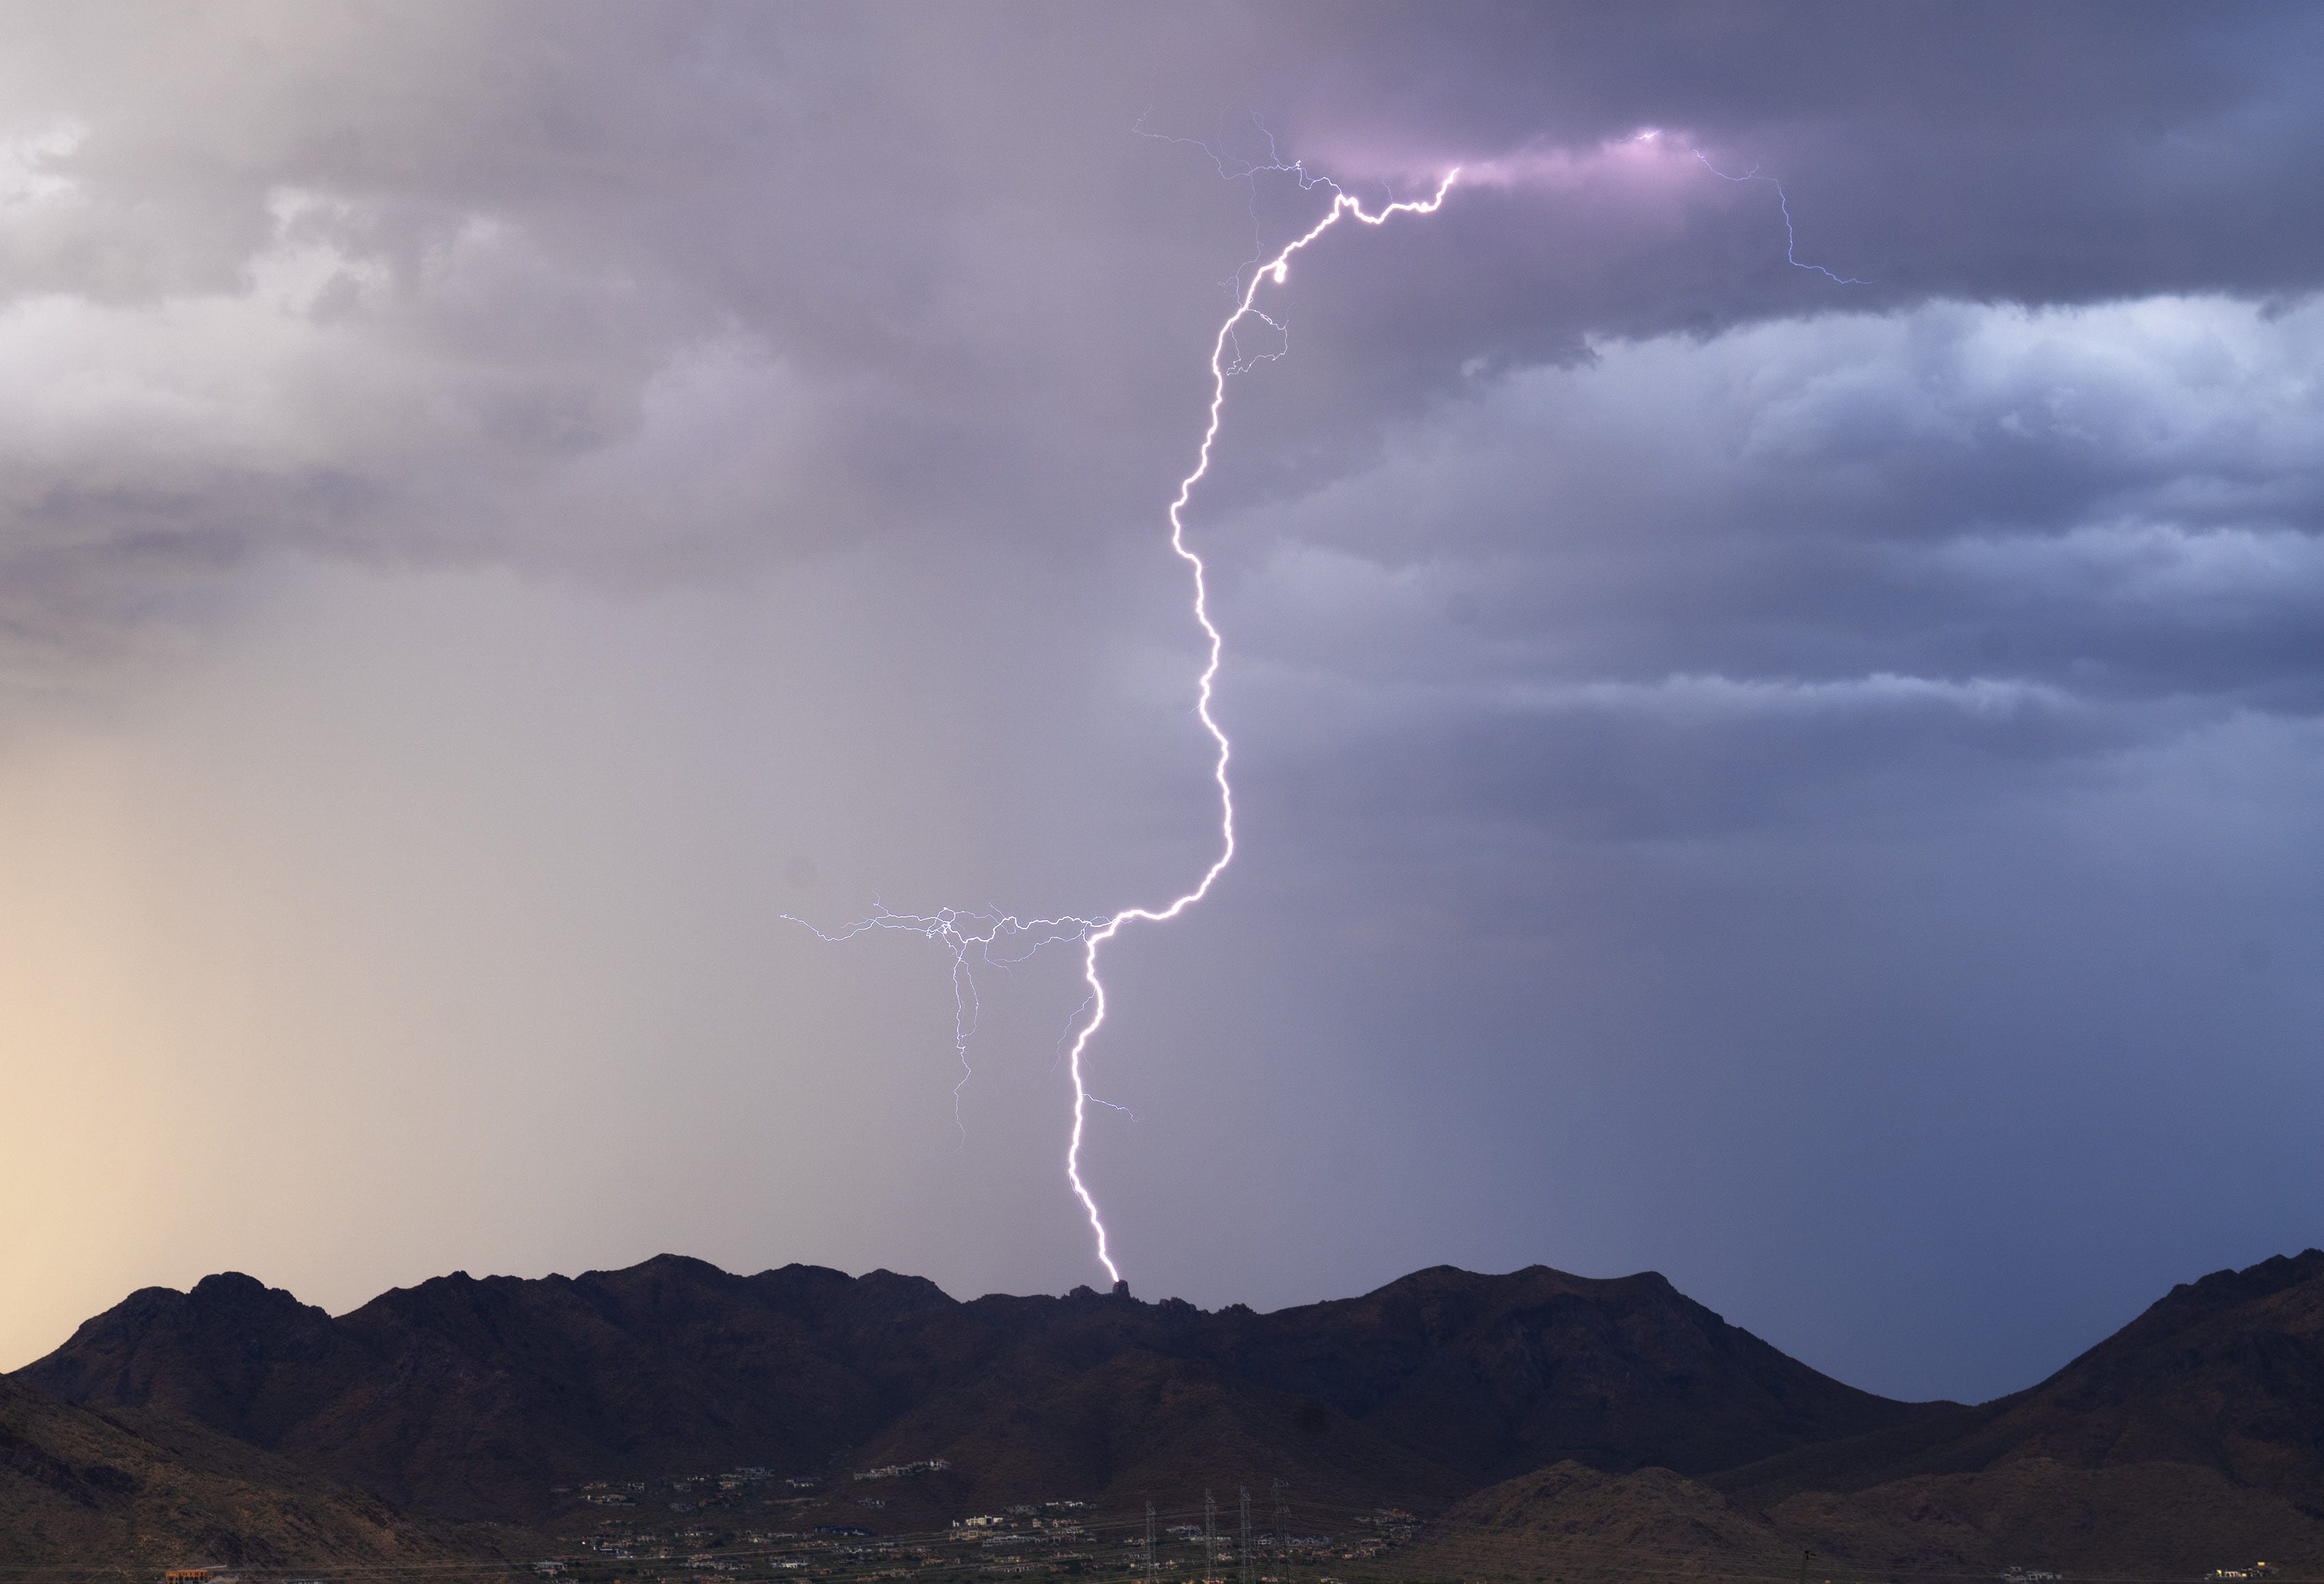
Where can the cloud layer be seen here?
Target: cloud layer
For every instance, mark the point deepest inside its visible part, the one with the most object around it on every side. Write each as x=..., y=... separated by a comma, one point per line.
x=1807, y=785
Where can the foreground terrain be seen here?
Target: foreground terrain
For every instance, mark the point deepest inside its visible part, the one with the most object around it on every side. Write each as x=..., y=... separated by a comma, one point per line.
x=1448, y=1425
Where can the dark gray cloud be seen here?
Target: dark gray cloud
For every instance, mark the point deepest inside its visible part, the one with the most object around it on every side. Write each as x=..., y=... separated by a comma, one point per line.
x=1807, y=785
x=477, y=262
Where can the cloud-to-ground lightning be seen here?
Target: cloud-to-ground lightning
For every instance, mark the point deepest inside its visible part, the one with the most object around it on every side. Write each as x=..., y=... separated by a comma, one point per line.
x=1278, y=270
x=981, y=932
x=1002, y=940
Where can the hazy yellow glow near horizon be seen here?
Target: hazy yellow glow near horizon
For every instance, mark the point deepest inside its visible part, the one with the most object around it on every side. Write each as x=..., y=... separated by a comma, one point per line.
x=433, y=921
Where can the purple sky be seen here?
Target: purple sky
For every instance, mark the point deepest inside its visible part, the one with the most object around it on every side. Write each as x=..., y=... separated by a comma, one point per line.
x=1812, y=788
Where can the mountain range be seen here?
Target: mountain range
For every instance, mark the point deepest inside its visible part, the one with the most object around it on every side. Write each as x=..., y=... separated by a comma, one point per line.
x=1521, y=1416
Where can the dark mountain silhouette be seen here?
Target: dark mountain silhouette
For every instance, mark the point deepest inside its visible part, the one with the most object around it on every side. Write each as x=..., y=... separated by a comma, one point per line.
x=2191, y=1440
x=1538, y=1421
x=161, y=1491
x=2225, y=1374
x=471, y=1398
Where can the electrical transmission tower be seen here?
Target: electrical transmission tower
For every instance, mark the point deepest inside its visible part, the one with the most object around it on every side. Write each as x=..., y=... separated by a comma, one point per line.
x=1282, y=1536
x=1246, y=1535
x=1211, y=1540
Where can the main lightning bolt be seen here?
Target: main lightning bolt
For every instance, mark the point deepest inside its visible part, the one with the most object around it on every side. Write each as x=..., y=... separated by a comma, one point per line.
x=981, y=933
x=1002, y=940
x=1276, y=270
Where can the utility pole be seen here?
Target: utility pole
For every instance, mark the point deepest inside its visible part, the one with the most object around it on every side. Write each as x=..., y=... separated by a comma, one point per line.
x=1211, y=1541
x=1149, y=1543
x=1246, y=1535
x=1805, y=1558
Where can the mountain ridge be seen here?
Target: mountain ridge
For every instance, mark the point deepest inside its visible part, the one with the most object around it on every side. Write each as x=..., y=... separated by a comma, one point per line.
x=2225, y=1373
x=1601, y=1420
x=461, y=1394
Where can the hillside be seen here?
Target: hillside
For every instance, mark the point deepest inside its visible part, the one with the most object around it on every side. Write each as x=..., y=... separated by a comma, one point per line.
x=2225, y=1374
x=1569, y=1521
x=473, y=1398
x=2189, y=1441
x=1543, y=1425
x=160, y=1492
x=2138, y=1520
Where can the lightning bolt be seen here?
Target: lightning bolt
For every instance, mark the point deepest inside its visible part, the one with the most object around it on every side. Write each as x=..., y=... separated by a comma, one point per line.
x=1783, y=202
x=1002, y=941
x=963, y=932
x=1277, y=270
x=982, y=935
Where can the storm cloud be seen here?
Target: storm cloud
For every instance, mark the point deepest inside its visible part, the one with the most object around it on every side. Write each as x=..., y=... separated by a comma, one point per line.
x=1803, y=778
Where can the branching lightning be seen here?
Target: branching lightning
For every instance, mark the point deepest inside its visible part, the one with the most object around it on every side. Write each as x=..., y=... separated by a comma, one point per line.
x=1002, y=940
x=963, y=934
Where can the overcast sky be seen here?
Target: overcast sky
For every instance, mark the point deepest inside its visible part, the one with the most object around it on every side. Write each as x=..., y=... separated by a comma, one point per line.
x=1805, y=780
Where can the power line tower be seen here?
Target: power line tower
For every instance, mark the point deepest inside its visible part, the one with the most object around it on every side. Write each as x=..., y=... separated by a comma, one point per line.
x=1282, y=1536
x=1246, y=1535
x=1149, y=1543
x=1210, y=1539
